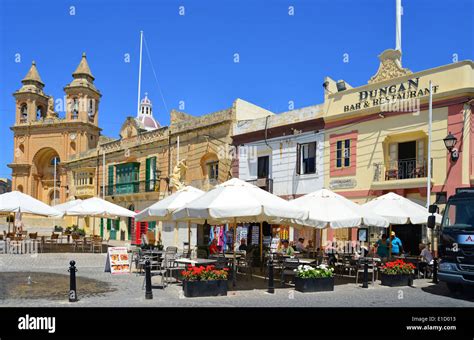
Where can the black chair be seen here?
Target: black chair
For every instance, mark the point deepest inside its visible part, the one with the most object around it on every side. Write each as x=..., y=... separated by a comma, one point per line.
x=371, y=270
x=277, y=264
x=289, y=266
x=244, y=264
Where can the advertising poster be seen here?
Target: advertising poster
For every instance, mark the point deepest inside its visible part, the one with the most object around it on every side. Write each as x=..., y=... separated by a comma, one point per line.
x=118, y=261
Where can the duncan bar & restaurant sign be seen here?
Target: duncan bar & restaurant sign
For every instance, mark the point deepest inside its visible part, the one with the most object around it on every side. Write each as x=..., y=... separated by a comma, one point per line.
x=389, y=94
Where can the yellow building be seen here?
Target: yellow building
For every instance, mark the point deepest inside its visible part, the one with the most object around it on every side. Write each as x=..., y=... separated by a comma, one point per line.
x=376, y=135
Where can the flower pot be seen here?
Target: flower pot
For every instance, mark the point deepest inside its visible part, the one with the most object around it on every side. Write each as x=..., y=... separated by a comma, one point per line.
x=397, y=280
x=205, y=288
x=322, y=284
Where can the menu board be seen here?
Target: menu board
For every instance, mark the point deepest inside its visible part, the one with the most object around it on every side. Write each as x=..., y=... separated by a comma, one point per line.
x=255, y=235
x=118, y=261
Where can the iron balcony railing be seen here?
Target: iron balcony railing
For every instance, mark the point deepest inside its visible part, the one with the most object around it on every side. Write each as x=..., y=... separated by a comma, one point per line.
x=132, y=188
x=263, y=183
x=401, y=169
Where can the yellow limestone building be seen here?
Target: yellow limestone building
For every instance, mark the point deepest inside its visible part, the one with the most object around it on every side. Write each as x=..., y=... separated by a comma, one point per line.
x=376, y=135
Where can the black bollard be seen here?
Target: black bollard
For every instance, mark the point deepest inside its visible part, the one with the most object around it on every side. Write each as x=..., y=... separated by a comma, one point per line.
x=148, y=291
x=271, y=285
x=435, y=270
x=72, y=282
x=365, y=283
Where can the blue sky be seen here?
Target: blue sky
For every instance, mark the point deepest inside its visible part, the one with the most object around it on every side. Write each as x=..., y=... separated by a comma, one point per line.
x=282, y=58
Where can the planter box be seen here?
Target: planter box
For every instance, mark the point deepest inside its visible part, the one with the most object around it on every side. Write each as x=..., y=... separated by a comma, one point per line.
x=396, y=280
x=205, y=288
x=322, y=284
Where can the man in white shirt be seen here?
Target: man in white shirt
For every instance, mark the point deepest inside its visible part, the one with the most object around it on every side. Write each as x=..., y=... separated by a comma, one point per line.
x=426, y=258
x=425, y=254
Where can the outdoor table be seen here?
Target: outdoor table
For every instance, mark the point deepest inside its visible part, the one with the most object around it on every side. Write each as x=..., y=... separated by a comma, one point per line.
x=306, y=260
x=231, y=256
x=195, y=262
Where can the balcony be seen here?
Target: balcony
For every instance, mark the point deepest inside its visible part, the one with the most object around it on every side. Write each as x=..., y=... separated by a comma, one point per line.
x=263, y=183
x=132, y=188
x=407, y=173
x=84, y=191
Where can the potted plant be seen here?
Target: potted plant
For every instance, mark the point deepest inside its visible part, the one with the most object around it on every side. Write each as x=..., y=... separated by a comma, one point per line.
x=58, y=229
x=319, y=279
x=204, y=281
x=397, y=273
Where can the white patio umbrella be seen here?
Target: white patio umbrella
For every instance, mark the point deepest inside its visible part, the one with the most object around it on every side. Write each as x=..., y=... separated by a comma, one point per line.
x=237, y=201
x=64, y=207
x=399, y=210
x=163, y=210
x=328, y=209
x=20, y=203
x=98, y=207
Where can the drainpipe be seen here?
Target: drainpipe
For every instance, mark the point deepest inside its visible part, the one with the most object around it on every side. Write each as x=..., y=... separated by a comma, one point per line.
x=266, y=132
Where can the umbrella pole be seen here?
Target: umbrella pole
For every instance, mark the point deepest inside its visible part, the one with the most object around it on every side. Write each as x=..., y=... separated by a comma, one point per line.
x=234, y=274
x=189, y=238
x=261, y=241
x=389, y=242
x=314, y=242
x=9, y=221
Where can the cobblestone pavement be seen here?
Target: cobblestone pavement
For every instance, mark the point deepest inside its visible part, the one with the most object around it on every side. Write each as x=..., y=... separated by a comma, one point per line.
x=128, y=291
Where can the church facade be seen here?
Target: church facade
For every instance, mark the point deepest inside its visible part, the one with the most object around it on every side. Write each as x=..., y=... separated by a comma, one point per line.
x=43, y=140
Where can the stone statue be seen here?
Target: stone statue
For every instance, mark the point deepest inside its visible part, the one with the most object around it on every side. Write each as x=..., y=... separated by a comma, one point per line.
x=51, y=113
x=178, y=175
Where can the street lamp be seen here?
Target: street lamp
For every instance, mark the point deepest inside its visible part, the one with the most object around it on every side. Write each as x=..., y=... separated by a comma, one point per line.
x=449, y=142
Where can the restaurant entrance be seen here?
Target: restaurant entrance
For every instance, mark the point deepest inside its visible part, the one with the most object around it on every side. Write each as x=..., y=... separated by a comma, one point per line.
x=410, y=235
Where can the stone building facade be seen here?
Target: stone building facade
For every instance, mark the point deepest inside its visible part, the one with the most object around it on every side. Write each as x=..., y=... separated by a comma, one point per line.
x=43, y=140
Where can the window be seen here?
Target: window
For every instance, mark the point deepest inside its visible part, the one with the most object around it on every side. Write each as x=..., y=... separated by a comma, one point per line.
x=75, y=108
x=306, y=158
x=127, y=177
x=150, y=175
x=40, y=112
x=90, y=110
x=24, y=112
x=263, y=167
x=343, y=153
x=84, y=178
x=213, y=170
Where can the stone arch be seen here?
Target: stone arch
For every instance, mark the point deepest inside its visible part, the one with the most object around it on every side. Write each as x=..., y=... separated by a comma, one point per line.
x=40, y=112
x=19, y=188
x=42, y=171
